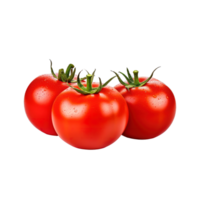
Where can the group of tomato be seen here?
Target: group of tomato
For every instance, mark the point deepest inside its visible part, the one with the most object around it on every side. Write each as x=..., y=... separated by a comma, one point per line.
x=90, y=115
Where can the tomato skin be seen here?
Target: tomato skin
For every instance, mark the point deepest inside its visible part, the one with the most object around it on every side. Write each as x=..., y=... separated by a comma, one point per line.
x=152, y=109
x=38, y=101
x=90, y=121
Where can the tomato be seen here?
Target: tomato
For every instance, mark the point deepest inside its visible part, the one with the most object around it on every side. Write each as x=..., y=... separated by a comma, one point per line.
x=39, y=98
x=152, y=107
x=90, y=118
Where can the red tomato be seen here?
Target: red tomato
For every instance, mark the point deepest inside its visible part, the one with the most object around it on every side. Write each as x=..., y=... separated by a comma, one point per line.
x=91, y=121
x=38, y=99
x=151, y=107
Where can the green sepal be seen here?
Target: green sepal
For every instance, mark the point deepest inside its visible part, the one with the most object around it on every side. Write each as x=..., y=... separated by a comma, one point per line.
x=51, y=67
x=94, y=73
x=125, y=75
x=128, y=75
x=64, y=77
x=144, y=82
x=80, y=91
x=120, y=80
x=80, y=85
x=108, y=81
x=135, y=82
x=89, y=89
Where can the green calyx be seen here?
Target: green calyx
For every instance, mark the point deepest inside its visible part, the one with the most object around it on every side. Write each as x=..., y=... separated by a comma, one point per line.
x=68, y=76
x=89, y=89
x=133, y=82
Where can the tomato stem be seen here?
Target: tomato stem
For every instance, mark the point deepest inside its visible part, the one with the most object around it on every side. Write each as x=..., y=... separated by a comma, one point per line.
x=136, y=74
x=89, y=82
x=70, y=71
x=60, y=73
